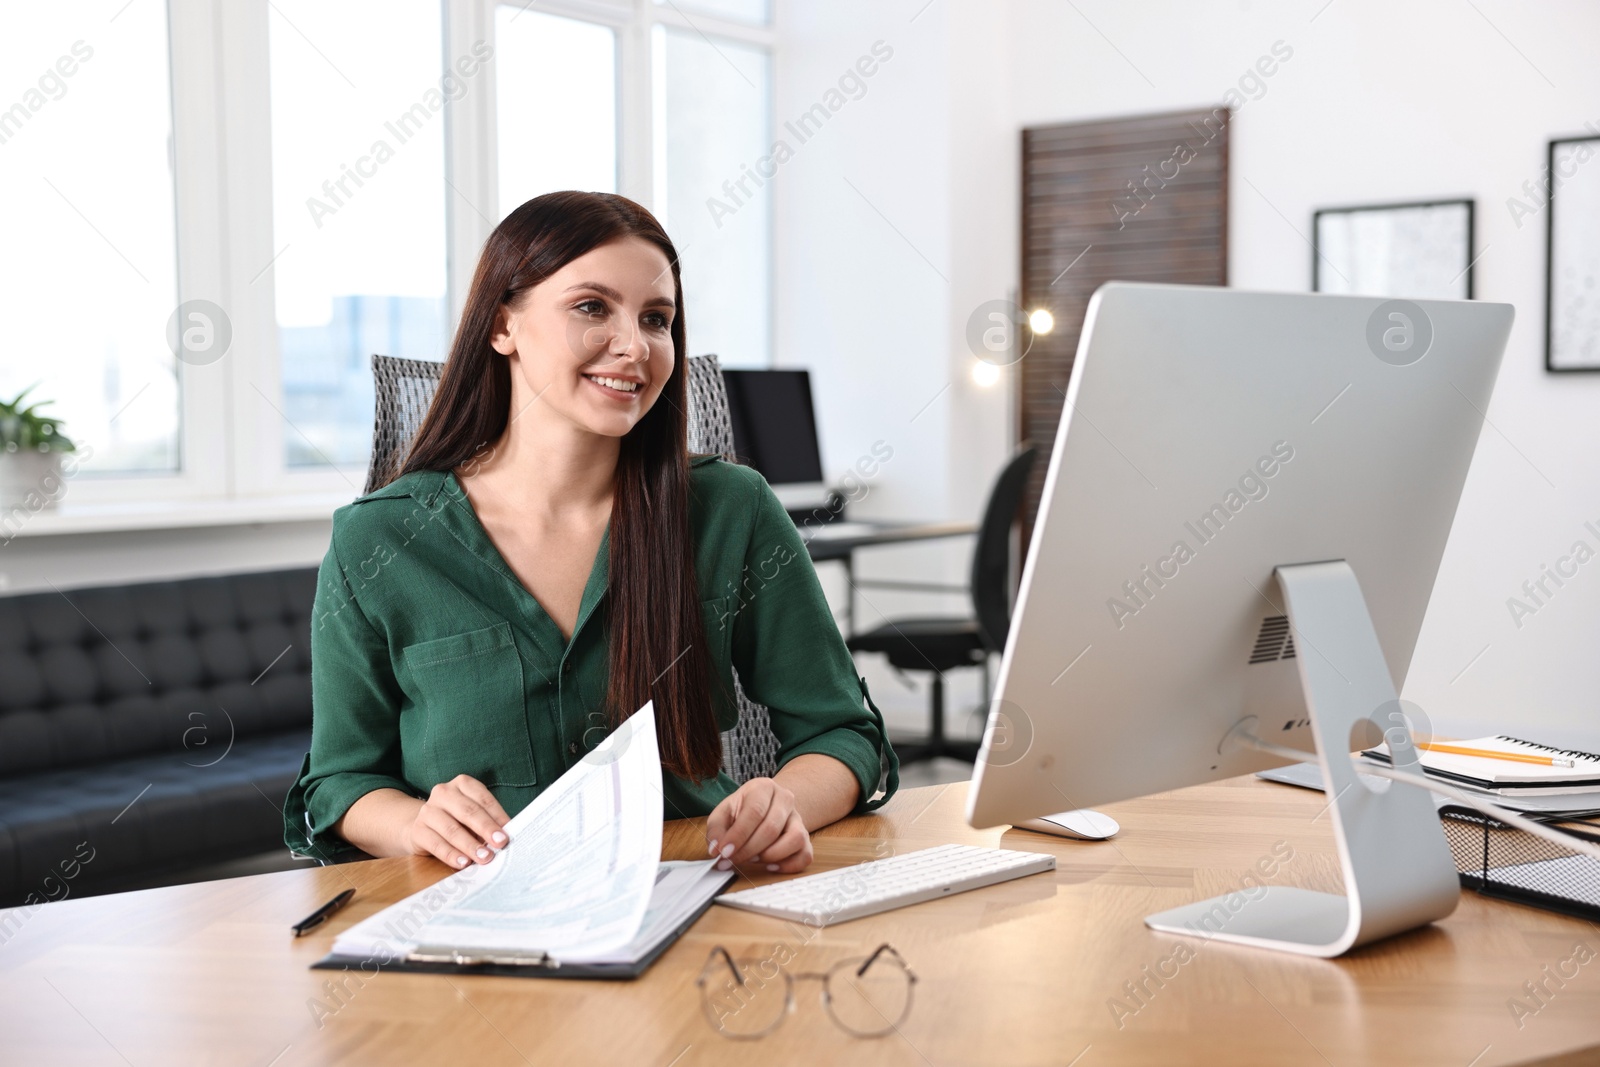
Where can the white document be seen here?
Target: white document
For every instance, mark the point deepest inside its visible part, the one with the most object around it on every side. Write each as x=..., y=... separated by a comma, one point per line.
x=574, y=881
x=682, y=888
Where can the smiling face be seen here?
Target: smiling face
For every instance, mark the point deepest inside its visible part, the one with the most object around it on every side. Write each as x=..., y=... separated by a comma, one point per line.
x=593, y=342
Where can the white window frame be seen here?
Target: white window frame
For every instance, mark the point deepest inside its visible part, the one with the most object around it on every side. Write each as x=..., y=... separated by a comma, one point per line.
x=231, y=433
x=260, y=429
x=671, y=16
x=199, y=209
x=637, y=76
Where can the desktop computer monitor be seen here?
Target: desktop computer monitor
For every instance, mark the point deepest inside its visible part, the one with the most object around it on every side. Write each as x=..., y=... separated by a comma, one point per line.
x=775, y=431
x=1240, y=527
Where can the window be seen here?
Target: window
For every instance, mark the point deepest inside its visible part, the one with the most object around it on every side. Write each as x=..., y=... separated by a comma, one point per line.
x=756, y=12
x=670, y=104
x=555, y=105
x=713, y=143
x=358, y=183
x=90, y=270
x=312, y=183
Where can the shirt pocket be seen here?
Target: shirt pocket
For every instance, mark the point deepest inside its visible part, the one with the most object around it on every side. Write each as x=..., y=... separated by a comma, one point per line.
x=475, y=721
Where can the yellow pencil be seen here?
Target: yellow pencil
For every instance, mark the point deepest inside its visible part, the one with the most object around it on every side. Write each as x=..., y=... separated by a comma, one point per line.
x=1515, y=757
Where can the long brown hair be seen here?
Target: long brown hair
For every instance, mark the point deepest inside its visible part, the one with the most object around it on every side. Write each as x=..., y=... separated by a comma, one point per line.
x=657, y=632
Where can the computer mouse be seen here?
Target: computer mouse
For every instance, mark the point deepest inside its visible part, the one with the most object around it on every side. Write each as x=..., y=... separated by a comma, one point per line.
x=1084, y=824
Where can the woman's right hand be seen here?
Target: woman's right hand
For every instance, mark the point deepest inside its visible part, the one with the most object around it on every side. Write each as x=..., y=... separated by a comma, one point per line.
x=460, y=823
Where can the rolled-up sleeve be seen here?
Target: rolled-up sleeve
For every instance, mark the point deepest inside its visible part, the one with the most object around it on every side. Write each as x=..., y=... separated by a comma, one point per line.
x=791, y=657
x=355, y=702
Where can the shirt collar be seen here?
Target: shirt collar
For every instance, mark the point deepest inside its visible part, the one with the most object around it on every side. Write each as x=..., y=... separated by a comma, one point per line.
x=422, y=486
x=426, y=487
x=429, y=486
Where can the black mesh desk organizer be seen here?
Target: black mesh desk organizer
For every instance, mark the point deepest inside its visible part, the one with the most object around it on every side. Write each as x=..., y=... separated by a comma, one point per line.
x=1501, y=861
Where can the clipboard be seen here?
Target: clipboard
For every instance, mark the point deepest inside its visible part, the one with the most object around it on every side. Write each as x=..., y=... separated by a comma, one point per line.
x=558, y=869
x=442, y=959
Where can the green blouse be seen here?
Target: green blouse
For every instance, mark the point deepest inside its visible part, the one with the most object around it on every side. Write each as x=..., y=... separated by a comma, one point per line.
x=429, y=659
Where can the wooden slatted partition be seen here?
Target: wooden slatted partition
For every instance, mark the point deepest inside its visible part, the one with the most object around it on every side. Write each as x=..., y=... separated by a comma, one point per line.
x=1130, y=199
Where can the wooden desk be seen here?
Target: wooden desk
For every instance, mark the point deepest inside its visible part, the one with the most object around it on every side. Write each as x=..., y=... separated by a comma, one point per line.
x=1027, y=972
x=823, y=543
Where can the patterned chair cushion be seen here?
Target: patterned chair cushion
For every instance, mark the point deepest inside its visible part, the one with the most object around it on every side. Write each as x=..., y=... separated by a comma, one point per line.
x=750, y=749
x=403, y=389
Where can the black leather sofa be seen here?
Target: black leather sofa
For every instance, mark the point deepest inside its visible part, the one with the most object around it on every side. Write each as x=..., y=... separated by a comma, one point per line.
x=149, y=728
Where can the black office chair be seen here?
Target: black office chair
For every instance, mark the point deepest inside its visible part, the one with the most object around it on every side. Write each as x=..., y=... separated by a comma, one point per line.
x=942, y=644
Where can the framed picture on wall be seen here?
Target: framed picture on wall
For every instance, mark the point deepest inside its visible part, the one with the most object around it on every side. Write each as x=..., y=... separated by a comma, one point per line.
x=1415, y=251
x=1572, y=257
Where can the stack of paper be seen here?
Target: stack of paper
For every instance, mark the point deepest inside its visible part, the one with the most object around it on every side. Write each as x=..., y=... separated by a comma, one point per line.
x=580, y=882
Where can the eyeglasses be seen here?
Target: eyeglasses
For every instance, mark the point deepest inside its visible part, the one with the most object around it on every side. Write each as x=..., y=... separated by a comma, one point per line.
x=865, y=996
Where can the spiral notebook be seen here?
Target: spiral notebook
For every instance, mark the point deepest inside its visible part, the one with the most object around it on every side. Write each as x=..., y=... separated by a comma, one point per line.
x=1507, y=777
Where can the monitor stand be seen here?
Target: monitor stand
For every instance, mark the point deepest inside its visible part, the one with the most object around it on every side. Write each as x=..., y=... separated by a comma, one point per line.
x=1398, y=870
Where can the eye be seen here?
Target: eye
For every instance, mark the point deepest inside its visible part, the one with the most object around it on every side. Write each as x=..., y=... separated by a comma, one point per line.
x=594, y=307
x=657, y=320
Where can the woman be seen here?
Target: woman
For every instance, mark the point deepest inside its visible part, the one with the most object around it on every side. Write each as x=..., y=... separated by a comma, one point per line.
x=549, y=558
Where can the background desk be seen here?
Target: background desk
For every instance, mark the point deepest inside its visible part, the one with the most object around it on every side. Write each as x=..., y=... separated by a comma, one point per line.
x=1024, y=972
x=840, y=544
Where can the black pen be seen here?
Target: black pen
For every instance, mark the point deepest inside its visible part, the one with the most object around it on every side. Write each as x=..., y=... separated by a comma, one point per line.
x=322, y=914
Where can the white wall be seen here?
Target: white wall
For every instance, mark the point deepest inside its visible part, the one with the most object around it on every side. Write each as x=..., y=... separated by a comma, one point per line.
x=863, y=229
x=862, y=225
x=73, y=561
x=1383, y=102
x=1379, y=102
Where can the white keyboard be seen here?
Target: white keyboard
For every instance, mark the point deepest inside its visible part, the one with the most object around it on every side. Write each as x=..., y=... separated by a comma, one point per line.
x=880, y=885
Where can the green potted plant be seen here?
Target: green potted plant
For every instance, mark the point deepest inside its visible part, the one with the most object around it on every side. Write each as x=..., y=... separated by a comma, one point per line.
x=31, y=447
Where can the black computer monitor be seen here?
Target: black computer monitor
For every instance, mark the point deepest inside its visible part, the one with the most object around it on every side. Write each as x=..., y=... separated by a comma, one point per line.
x=774, y=424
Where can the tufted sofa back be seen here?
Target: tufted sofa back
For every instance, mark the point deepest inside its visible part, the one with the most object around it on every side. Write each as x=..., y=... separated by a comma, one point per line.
x=91, y=675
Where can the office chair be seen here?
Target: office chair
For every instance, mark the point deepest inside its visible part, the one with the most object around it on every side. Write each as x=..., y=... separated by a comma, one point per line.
x=939, y=644
x=405, y=388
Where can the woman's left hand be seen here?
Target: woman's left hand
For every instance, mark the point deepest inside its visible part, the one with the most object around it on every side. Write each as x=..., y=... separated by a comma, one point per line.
x=759, y=824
